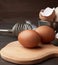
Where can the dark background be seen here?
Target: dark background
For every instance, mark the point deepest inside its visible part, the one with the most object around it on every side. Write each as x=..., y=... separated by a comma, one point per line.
x=24, y=8
x=12, y=11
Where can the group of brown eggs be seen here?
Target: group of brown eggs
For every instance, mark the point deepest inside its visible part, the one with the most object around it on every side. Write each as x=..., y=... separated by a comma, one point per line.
x=42, y=34
x=33, y=38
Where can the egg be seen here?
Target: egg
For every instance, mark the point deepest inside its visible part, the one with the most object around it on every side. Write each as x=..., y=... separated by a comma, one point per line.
x=46, y=33
x=29, y=38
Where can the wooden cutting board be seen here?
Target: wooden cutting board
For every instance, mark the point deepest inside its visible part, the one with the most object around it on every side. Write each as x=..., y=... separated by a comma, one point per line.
x=16, y=53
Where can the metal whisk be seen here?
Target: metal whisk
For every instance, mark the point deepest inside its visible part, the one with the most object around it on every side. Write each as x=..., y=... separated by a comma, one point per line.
x=17, y=28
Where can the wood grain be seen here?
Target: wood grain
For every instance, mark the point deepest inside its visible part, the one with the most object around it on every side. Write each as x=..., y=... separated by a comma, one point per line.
x=16, y=53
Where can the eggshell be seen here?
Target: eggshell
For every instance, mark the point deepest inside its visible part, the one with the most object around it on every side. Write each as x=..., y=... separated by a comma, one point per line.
x=47, y=14
x=29, y=38
x=46, y=33
x=56, y=12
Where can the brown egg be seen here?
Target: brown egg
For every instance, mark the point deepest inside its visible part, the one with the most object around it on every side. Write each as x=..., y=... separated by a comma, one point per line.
x=46, y=33
x=29, y=38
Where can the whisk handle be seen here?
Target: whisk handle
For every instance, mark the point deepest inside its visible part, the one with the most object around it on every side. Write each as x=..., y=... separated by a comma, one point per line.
x=5, y=31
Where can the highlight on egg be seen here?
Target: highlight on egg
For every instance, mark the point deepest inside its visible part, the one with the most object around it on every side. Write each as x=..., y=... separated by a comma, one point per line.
x=29, y=38
x=46, y=33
